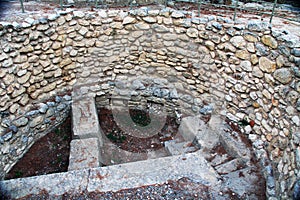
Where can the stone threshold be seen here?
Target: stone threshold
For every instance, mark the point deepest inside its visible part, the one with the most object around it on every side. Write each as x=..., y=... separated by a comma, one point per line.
x=115, y=177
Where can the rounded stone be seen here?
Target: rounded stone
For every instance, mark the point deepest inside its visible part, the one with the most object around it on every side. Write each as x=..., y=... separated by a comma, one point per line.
x=283, y=75
x=266, y=65
x=192, y=32
x=238, y=42
x=269, y=41
x=246, y=65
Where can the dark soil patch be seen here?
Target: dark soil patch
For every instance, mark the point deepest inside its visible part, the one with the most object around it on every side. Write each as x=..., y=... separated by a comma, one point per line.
x=128, y=142
x=50, y=154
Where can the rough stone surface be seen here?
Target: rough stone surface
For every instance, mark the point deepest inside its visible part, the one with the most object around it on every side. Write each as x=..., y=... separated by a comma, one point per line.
x=84, y=154
x=283, y=75
x=266, y=65
x=269, y=41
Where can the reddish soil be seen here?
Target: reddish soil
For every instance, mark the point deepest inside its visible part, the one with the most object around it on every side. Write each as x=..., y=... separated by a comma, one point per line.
x=50, y=154
x=134, y=144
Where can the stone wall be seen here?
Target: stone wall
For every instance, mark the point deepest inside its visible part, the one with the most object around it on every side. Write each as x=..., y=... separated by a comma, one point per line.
x=241, y=72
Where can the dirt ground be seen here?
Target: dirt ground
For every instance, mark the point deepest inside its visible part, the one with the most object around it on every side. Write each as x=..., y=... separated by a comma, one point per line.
x=50, y=154
x=128, y=142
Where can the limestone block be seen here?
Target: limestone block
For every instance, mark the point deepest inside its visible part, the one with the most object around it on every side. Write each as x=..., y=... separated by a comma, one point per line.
x=85, y=118
x=84, y=153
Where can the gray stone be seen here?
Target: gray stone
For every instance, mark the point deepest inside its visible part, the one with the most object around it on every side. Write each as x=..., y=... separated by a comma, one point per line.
x=284, y=50
x=21, y=121
x=150, y=19
x=238, y=42
x=67, y=98
x=7, y=136
x=43, y=108
x=24, y=139
x=58, y=99
x=296, y=120
x=13, y=128
x=142, y=26
x=206, y=109
x=142, y=12
x=246, y=65
x=7, y=63
x=261, y=49
x=174, y=94
x=165, y=92
x=36, y=121
x=283, y=75
x=78, y=14
x=187, y=98
x=3, y=56
x=157, y=92
x=32, y=113
x=257, y=72
x=257, y=26
x=291, y=41
x=160, y=28
x=292, y=97
x=217, y=25
x=61, y=107
x=53, y=184
x=228, y=166
x=83, y=31
x=295, y=52
x=296, y=191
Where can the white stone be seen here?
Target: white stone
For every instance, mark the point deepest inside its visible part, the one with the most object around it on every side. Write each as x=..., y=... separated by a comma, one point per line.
x=192, y=32
x=238, y=41
x=129, y=20
x=246, y=65
x=177, y=14
x=296, y=120
x=78, y=14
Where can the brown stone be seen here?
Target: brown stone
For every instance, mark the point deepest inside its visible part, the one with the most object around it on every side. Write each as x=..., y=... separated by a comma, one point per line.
x=242, y=54
x=269, y=41
x=266, y=65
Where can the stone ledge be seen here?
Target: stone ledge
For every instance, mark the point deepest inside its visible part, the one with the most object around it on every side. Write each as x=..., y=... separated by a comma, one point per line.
x=115, y=178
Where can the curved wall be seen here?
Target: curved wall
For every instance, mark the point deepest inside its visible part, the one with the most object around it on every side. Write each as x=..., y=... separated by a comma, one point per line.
x=246, y=72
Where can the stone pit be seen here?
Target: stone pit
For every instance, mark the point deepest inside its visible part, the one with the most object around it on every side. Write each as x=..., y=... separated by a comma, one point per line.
x=241, y=75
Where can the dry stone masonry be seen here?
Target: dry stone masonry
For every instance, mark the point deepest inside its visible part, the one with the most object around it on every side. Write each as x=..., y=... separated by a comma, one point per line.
x=240, y=72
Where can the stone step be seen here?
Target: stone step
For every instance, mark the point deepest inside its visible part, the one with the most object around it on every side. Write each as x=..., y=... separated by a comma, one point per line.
x=229, y=166
x=84, y=153
x=174, y=148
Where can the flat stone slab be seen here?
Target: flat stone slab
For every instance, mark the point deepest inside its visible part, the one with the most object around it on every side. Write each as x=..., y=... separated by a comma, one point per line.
x=54, y=184
x=84, y=153
x=85, y=118
x=116, y=177
x=154, y=171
